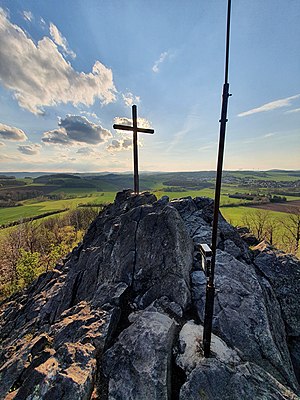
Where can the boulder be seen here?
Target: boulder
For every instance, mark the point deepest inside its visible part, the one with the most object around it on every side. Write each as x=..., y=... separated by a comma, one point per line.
x=138, y=365
x=225, y=375
x=115, y=320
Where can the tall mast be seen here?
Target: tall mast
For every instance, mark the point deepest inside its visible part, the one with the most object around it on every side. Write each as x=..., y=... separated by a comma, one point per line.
x=210, y=289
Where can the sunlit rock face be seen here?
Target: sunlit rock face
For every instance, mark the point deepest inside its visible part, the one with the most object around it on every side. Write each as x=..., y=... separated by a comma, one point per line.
x=122, y=317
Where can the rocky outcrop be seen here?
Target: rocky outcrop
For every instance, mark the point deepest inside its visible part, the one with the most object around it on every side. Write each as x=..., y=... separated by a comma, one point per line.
x=122, y=317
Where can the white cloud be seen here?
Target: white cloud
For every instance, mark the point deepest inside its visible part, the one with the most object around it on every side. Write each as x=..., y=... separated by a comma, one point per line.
x=85, y=151
x=293, y=111
x=119, y=145
x=76, y=129
x=56, y=136
x=91, y=115
x=161, y=59
x=130, y=99
x=2, y=144
x=28, y=16
x=142, y=122
x=273, y=105
x=29, y=149
x=267, y=135
x=60, y=40
x=11, y=133
x=39, y=75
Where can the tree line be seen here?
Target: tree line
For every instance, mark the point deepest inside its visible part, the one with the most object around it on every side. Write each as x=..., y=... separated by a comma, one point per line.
x=35, y=247
x=284, y=233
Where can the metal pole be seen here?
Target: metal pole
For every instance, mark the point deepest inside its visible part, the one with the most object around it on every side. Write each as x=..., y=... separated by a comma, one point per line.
x=135, y=151
x=210, y=289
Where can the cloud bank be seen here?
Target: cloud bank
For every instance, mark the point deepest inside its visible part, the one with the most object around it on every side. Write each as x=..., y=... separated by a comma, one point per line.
x=119, y=145
x=29, y=149
x=11, y=133
x=75, y=129
x=39, y=76
x=273, y=105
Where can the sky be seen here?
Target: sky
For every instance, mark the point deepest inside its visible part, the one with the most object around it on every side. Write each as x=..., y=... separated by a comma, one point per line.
x=69, y=70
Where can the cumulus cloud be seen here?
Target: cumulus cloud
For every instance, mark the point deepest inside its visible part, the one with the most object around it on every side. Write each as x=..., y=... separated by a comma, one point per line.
x=161, y=59
x=60, y=40
x=11, y=133
x=119, y=145
x=76, y=129
x=56, y=136
x=29, y=149
x=273, y=105
x=28, y=16
x=39, y=76
x=130, y=99
x=85, y=151
x=142, y=122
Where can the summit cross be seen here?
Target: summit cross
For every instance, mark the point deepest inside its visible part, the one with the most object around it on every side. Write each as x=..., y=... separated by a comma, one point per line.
x=135, y=129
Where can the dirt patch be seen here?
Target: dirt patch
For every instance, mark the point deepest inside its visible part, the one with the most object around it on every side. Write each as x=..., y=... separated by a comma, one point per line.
x=291, y=207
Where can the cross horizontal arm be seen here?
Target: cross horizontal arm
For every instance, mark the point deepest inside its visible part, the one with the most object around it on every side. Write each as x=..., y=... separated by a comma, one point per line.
x=131, y=128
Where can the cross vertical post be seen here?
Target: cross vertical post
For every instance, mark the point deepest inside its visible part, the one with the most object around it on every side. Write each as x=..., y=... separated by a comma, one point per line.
x=135, y=151
x=135, y=129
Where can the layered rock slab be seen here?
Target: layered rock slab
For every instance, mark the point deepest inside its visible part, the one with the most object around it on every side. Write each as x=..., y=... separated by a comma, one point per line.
x=136, y=251
x=138, y=366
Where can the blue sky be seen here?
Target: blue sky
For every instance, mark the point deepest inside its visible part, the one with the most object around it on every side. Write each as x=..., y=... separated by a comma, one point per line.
x=69, y=70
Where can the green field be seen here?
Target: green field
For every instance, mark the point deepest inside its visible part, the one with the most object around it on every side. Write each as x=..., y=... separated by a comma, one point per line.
x=32, y=208
x=101, y=189
x=234, y=215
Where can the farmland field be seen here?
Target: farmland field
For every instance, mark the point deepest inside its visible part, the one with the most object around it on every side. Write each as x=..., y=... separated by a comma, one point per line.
x=55, y=192
x=287, y=207
x=32, y=209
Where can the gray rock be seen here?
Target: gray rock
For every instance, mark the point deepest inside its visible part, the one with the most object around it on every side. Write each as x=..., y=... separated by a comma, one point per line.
x=283, y=273
x=225, y=375
x=121, y=290
x=164, y=258
x=213, y=379
x=247, y=317
x=138, y=365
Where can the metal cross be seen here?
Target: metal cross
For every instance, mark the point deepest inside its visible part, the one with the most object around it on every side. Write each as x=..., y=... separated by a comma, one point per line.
x=135, y=129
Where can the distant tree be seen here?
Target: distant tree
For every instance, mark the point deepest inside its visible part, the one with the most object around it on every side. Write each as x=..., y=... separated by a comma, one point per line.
x=271, y=228
x=257, y=222
x=291, y=224
x=34, y=247
x=27, y=267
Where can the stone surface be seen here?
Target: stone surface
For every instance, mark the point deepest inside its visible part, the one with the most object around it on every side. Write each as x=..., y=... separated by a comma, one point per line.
x=190, y=350
x=248, y=317
x=213, y=379
x=283, y=273
x=225, y=375
x=114, y=321
x=138, y=365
